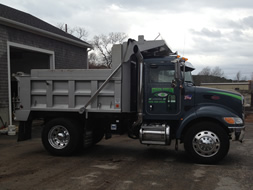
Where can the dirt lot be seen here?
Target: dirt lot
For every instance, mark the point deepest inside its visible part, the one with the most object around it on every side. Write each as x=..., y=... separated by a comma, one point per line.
x=122, y=163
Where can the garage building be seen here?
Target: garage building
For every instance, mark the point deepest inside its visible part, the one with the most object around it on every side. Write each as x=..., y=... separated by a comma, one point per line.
x=26, y=43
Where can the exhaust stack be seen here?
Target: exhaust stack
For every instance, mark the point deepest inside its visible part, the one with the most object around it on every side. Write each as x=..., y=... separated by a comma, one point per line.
x=134, y=130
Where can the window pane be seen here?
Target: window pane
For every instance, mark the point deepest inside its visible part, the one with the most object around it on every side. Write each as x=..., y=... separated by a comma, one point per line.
x=161, y=74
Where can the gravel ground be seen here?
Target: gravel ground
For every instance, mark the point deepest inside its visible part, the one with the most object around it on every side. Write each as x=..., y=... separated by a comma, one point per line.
x=122, y=163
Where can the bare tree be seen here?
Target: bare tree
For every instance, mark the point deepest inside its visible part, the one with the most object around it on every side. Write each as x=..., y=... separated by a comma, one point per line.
x=207, y=75
x=238, y=76
x=103, y=44
x=92, y=58
x=216, y=71
x=78, y=32
x=205, y=71
x=61, y=26
x=65, y=28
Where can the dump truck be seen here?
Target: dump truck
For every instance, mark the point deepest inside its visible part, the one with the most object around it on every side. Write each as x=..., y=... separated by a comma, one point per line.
x=148, y=94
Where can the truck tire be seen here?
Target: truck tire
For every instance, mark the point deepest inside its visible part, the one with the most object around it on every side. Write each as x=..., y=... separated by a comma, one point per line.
x=62, y=137
x=206, y=143
x=97, y=136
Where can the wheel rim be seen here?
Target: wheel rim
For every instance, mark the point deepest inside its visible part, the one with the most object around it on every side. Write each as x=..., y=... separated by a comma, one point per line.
x=58, y=137
x=206, y=143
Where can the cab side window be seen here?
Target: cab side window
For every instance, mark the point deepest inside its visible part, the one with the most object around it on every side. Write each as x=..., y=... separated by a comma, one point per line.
x=161, y=75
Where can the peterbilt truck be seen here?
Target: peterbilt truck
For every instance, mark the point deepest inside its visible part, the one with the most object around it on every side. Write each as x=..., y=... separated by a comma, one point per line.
x=148, y=94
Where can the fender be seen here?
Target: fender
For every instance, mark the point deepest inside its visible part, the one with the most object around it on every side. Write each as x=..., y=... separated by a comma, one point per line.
x=215, y=112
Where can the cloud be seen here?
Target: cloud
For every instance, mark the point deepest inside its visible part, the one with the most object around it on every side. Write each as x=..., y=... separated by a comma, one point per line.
x=204, y=46
x=248, y=22
x=210, y=33
x=206, y=32
x=179, y=5
x=243, y=23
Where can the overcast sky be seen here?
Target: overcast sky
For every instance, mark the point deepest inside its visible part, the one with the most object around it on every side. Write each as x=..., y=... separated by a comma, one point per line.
x=207, y=32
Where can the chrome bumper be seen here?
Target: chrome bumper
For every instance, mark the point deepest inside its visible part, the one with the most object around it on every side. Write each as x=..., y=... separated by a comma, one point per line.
x=237, y=133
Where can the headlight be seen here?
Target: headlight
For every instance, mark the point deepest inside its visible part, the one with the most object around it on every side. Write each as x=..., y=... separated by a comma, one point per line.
x=233, y=120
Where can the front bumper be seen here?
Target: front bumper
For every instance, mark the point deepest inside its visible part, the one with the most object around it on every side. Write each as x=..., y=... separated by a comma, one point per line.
x=237, y=133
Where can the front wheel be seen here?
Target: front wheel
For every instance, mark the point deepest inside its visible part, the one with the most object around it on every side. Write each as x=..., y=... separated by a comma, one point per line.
x=61, y=137
x=206, y=142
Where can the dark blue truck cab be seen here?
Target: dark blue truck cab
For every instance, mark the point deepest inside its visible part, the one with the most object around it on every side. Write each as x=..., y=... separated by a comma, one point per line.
x=204, y=119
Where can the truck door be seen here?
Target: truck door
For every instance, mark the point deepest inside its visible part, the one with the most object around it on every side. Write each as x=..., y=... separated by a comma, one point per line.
x=160, y=99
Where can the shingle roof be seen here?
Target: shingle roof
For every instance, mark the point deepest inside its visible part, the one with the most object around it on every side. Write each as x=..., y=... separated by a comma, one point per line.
x=30, y=20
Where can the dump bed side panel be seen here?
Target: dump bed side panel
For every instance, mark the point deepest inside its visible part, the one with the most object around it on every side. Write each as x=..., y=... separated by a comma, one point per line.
x=69, y=90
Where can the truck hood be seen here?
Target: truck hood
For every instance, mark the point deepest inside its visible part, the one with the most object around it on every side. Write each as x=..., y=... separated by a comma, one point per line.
x=215, y=91
x=233, y=101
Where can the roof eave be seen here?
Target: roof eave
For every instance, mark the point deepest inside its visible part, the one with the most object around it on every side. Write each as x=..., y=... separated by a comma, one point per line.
x=41, y=32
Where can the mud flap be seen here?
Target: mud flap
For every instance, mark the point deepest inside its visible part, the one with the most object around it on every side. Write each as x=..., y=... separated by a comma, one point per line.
x=25, y=130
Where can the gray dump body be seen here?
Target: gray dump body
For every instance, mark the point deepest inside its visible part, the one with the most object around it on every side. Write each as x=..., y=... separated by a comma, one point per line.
x=73, y=90
x=69, y=90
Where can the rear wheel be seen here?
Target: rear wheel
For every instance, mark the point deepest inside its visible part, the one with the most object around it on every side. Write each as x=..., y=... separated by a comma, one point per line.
x=206, y=142
x=97, y=129
x=97, y=136
x=61, y=137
